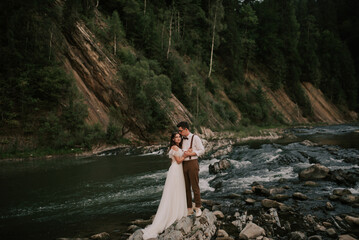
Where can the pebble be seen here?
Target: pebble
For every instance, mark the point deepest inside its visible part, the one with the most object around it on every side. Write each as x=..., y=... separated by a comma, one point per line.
x=300, y=196
x=297, y=236
x=101, y=236
x=315, y=237
x=248, y=191
x=218, y=214
x=251, y=231
x=327, y=224
x=346, y=237
x=310, y=183
x=270, y=203
x=331, y=232
x=329, y=206
x=352, y=220
x=250, y=201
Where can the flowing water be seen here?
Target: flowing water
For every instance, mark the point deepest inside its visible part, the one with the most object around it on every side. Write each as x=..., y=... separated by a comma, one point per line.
x=78, y=197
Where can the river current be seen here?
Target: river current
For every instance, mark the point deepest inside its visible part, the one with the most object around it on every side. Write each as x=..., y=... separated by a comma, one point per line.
x=79, y=197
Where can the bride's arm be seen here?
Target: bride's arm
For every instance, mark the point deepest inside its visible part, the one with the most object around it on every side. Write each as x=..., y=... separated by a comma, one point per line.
x=179, y=159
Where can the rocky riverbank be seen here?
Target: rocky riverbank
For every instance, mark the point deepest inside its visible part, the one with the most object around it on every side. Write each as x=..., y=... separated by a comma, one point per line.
x=259, y=213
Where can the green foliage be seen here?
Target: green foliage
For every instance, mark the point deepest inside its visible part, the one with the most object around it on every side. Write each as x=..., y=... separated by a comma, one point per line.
x=294, y=40
x=148, y=92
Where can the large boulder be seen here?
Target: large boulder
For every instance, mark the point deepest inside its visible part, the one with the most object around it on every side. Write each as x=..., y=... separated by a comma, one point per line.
x=251, y=231
x=346, y=177
x=267, y=203
x=219, y=166
x=300, y=196
x=260, y=190
x=314, y=172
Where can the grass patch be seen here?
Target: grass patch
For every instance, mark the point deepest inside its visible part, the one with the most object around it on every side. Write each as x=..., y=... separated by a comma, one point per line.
x=39, y=152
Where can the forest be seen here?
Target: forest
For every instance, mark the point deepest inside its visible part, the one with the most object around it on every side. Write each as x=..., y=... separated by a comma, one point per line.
x=189, y=48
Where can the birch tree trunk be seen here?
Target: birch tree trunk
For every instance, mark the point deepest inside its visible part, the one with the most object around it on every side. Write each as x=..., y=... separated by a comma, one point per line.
x=144, y=9
x=163, y=30
x=213, y=33
x=170, y=37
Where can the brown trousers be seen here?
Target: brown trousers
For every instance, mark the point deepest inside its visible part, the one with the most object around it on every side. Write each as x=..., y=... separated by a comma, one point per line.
x=190, y=171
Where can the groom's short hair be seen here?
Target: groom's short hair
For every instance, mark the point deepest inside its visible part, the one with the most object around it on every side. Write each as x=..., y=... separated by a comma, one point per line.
x=183, y=125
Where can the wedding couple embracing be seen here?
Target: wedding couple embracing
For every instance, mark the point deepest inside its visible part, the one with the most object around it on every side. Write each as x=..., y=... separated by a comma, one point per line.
x=182, y=176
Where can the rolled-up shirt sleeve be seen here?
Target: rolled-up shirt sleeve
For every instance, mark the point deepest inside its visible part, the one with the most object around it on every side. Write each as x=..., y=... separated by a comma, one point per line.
x=199, y=149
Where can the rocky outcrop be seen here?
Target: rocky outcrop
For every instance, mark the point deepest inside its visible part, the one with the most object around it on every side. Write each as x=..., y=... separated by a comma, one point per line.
x=219, y=166
x=190, y=227
x=314, y=172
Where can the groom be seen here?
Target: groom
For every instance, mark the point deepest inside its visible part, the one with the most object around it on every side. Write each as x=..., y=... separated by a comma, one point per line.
x=193, y=147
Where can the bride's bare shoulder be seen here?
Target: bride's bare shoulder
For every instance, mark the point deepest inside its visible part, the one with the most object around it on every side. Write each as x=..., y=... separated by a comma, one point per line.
x=174, y=148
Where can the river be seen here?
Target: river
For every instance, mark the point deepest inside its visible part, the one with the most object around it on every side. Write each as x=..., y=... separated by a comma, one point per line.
x=78, y=197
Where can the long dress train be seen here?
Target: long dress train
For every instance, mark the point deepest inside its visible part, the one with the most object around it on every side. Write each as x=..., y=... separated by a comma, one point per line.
x=173, y=202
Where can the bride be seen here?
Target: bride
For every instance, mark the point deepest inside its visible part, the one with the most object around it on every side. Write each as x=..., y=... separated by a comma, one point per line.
x=173, y=202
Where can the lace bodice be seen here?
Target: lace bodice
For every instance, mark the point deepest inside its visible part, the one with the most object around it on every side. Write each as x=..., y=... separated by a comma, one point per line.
x=173, y=153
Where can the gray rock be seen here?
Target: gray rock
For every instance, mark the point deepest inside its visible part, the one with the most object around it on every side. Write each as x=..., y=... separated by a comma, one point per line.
x=218, y=214
x=273, y=191
x=234, y=196
x=346, y=237
x=142, y=222
x=132, y=228
x=251, y=231
x=341, y=192
x=279, y=197
x=211, y=218
x=315, y=171
x=352, y=220
x=315, y=237
x=260, y=190
x=216, y=208
x=184, y=225
x=347, y=177
x=300, y=196
x=319, y=227
x=331, y=232
x=285, y=208
x=219, y=166
x=334, y=197
x=101, y=236
x=327, y=224
x=349, y=199
x=310, y=183
x=248, y=191
x=297, y=236
x=173, y=235
x=329, y=206
x=270, y=203
x=136, y=235
x=250, y=201
x=222, y=233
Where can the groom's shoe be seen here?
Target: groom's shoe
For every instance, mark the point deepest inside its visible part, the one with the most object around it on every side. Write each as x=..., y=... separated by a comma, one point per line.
x=198, y=212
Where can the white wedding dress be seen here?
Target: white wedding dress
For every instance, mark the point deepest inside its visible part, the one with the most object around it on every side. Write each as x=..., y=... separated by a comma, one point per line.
x=173, y=204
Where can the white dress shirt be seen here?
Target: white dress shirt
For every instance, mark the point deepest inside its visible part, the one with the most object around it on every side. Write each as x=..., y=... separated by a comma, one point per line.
x=197, y=146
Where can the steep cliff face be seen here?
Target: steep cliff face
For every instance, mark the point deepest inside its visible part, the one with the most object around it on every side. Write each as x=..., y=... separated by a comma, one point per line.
x=95, y=71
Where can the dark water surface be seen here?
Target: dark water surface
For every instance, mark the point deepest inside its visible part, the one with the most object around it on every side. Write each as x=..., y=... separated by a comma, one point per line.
x=78, y=197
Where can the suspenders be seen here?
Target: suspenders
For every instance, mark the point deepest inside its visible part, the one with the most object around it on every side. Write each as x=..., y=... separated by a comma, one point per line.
x=191, y=146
